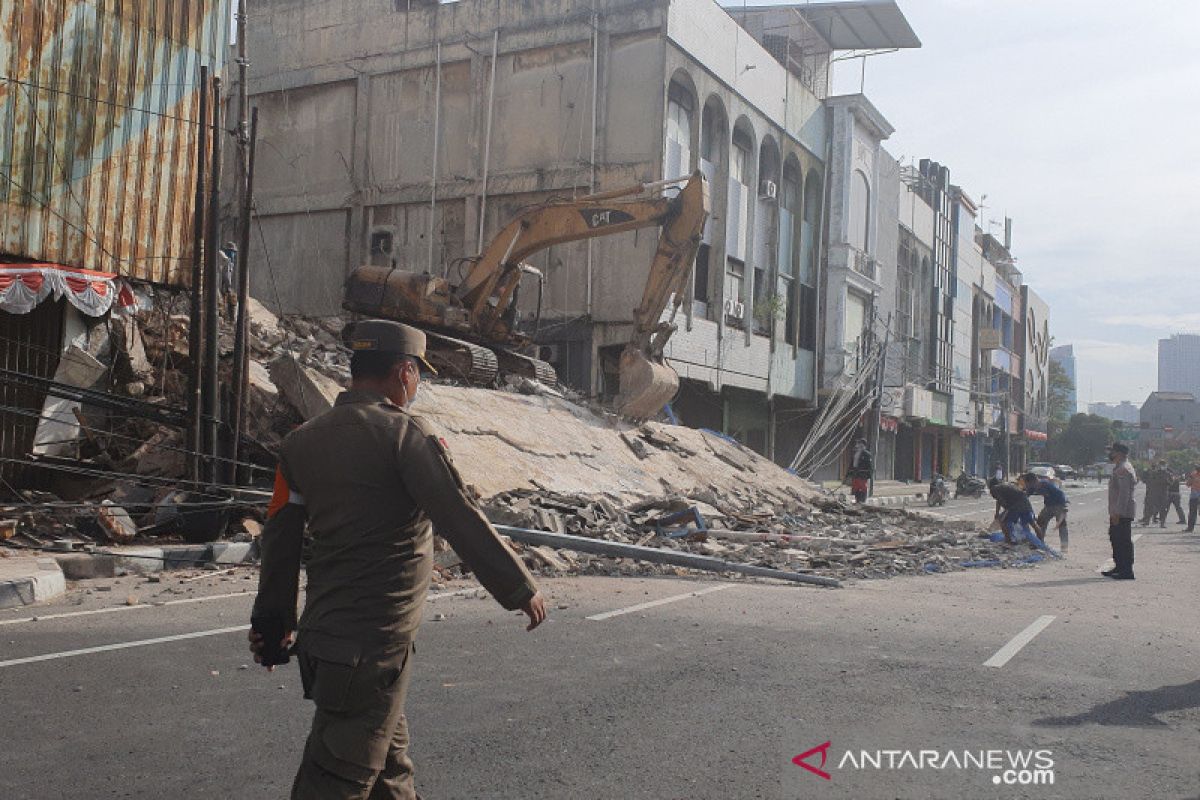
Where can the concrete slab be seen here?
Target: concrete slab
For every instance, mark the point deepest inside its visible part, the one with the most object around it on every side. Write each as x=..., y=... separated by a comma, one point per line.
x=231, y=552
x=24, y=581
x=85, y=566
x=138, y=560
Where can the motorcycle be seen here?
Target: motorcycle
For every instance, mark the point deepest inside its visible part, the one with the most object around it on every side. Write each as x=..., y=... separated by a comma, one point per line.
x=969, y=486
x=938, y=493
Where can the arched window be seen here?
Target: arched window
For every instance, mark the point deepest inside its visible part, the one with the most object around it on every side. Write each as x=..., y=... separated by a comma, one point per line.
x=677, y=160
x=860, y=210
x=789, y=252
x=713, y=133
x=810, y=231
x=714, y=140
x=737, y=214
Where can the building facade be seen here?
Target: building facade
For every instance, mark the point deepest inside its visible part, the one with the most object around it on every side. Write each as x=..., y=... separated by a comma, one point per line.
x=1124, y=412
x=1169, y=421
x=410, y=136
x=1179, y=363
x=1064, y=356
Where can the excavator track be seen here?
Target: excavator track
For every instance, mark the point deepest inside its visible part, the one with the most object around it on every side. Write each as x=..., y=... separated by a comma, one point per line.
x=464, y=361
x=526, y=366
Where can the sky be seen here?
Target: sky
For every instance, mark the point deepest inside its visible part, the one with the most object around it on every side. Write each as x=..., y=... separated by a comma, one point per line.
x=1080, y=119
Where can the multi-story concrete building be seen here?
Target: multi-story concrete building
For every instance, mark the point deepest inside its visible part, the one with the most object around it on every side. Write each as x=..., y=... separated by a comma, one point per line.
x=1179, y=363
x=999, y=317
x=929, y=364
x=1169, y=421
x=1125, y=411
x=1064, y=356
x=1034, y=345
x=409, y=133
x=860, y=270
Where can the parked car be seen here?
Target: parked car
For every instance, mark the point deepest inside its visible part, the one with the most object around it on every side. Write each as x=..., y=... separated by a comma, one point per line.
x=1044, y=471
x=1066, y=472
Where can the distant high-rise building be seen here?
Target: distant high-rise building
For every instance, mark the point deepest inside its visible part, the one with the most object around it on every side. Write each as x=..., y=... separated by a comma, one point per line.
x=1179, y=363
x=1124, y=411
x=1064, y=355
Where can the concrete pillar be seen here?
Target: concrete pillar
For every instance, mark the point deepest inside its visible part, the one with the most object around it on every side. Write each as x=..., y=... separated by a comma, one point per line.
x=360, y=168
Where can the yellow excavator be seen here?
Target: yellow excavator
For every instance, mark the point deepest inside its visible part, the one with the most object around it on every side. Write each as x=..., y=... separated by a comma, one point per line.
x=472, y=327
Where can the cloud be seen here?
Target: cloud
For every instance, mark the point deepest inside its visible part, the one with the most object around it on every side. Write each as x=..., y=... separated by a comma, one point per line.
x=1174, y=323
x=1109, y=352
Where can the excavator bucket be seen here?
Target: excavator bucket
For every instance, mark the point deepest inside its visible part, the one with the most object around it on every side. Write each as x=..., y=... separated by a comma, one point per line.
x=645, y=386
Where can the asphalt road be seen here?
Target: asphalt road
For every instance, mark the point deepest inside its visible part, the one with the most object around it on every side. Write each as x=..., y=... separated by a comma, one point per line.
x=709, y=695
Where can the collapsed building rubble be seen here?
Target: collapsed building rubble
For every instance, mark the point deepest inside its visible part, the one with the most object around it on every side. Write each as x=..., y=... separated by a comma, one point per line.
x=536, y=457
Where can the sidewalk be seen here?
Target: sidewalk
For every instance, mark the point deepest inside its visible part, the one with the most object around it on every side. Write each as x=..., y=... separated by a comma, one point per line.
x=26, y=580
x=887, y=493
x=82, y=565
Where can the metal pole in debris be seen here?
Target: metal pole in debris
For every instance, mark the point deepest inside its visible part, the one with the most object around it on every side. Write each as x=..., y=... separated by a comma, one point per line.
x=437, y=131
x=212, y=286
x=241, y=370
x=877, y=411
x=487, y=141
x=196, y=328
x=602, y=547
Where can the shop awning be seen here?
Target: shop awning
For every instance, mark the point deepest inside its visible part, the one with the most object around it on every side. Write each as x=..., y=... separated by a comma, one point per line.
x=24, y=285
x=1035, y=436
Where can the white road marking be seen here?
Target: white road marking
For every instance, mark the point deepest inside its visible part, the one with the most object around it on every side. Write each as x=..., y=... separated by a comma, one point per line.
x=206, y=598
x=112, y=609
x=660, y=602
x=104, y=648
x=1015, y=644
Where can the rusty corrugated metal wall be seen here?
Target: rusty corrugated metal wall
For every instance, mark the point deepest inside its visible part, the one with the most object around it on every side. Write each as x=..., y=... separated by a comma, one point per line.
x=98, y=107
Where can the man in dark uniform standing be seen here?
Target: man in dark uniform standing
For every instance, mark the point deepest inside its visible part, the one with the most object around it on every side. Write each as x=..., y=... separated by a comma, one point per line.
x=368, y=479
x=1122, y=508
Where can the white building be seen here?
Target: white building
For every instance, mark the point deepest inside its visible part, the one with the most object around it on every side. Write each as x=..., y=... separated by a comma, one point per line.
x=1179, y=364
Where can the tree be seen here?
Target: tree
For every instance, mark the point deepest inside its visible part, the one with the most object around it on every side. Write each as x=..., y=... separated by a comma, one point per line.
x=1059, y=400
x=1084, y=440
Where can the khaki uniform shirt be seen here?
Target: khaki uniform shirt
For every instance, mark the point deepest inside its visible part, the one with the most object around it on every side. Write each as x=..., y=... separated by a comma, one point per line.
x=1120, y=491
x=372, y=479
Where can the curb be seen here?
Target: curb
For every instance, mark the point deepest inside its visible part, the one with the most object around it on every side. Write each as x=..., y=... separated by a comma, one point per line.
x=150, y=560
x=47, y=583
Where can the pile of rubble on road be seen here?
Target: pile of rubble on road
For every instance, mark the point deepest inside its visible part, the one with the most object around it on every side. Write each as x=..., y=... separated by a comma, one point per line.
x=824, y=536
x=650, y=484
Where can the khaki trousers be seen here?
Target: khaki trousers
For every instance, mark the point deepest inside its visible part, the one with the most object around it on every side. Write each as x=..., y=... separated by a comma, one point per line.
x=358, y=746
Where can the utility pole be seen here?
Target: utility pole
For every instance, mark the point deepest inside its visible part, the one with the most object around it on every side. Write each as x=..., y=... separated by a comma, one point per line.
x=241, y=369
x=212, y=288
x=196, y=328
x=877, y=415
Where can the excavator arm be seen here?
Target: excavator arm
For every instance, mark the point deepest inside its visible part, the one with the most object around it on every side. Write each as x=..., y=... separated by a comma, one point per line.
x=479, y=309
x=490, y=285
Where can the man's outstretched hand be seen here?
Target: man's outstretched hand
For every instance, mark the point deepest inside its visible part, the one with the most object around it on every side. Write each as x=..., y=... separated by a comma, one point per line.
x=535, y=609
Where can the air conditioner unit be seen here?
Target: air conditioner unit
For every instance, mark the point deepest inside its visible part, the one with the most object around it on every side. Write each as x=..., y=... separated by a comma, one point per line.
x=739, y=309
x=767, y=190
x=727, y=307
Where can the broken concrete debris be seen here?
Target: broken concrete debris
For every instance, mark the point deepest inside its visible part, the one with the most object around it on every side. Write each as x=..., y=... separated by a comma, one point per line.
x=823, y=537
x=694, y=493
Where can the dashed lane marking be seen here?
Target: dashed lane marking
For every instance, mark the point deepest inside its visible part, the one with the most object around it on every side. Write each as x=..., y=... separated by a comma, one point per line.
x=113, y=609
x=1004, y=654
x=104, y=648
x=469, y=592
x=660, y=602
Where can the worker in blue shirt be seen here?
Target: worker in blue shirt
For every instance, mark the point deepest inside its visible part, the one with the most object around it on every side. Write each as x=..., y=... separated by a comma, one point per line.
x=1054, y=506
x=1014, y=512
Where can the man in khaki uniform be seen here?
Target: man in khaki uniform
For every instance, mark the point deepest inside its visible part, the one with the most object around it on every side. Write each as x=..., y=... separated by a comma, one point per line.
x=369, y=479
